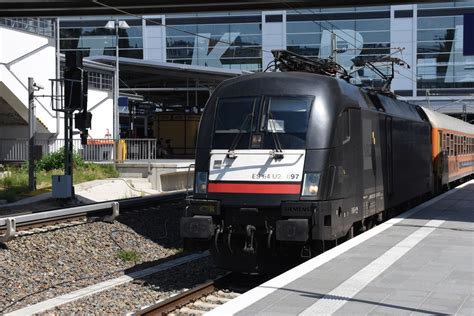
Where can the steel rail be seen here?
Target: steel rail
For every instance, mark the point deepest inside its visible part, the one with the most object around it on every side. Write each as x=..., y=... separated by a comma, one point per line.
x=10, y=223
x=170, y=304
x=131, y=203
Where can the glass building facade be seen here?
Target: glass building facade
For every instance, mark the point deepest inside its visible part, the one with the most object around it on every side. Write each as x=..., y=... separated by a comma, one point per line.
x=343, y=34
x=441, y=60
x=429, y=37
x=229, y=41
x=93, y=38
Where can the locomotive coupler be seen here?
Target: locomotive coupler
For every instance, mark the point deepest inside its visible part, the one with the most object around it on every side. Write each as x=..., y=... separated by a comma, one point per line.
x=249, y=247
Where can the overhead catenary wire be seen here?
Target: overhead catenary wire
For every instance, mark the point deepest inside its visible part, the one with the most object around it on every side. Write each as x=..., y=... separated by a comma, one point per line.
x=319, y=23
x=197, y=34
x=397, y=49
x=152, y=21
x=219, y=40
x=341, y=30
x=334, y=27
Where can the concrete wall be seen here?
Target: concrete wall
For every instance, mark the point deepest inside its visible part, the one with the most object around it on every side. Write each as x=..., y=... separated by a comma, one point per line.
x=101, y=105
x=24, y=55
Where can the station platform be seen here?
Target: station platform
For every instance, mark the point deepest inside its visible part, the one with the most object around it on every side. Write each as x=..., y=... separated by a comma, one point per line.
x=421, y=262
x=164, y=174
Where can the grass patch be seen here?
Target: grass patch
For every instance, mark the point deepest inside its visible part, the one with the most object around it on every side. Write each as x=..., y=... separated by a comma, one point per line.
x=128, y=255
x=15, y=186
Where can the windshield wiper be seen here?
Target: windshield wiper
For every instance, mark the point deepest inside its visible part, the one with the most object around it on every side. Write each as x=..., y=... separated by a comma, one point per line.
x=231, y=152
x=277, y=152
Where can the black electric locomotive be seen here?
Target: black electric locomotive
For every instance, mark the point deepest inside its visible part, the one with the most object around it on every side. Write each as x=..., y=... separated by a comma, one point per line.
x=290, y=163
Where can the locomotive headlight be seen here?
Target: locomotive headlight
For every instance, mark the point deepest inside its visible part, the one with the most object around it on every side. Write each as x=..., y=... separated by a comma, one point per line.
x=201, y=182
x=311, y=184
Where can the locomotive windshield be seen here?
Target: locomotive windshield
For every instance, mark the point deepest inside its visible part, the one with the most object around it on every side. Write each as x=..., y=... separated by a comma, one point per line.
x=234, y=118
x=287, y=117
x=238, y=120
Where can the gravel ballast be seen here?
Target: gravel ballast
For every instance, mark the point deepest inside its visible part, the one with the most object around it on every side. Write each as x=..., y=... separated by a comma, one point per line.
x=135, y=295
x=40, y=266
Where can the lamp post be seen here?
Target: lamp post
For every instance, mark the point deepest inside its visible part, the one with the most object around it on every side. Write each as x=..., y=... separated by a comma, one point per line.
x=116, y=25
x=32, y=87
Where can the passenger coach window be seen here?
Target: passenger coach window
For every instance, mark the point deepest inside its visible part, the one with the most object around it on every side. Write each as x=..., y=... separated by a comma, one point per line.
x=447, y=144
x=451, y=141
x=458, y=146
x=234, y=116
x=464, y=145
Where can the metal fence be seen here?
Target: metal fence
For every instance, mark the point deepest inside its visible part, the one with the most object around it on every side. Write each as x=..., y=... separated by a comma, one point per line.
x=95, y=149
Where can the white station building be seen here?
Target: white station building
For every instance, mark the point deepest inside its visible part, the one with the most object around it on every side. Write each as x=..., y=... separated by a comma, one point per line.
x=169, y=60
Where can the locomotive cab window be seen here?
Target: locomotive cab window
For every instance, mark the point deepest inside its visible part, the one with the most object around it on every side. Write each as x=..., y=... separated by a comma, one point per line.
x=278, y=122
x=234, y=120
x=287, y=117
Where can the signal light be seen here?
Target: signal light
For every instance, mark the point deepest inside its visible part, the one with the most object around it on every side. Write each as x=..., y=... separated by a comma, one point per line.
x=82, y=120
x=75, y=83
x=73, y=89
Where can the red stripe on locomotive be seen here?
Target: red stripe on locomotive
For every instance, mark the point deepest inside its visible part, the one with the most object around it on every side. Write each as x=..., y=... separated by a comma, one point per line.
x=254, y=188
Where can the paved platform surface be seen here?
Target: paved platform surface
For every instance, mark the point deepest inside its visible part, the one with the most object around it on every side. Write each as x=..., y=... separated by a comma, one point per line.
x=164, y=163
x=421, y=262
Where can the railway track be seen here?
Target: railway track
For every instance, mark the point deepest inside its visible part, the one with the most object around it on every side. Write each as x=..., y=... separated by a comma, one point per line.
x=195, y=301
x=36, y=222
x=205, y=297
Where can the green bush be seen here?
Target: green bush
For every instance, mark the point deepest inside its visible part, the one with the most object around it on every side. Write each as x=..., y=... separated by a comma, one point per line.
x=56, y=161
x=14, y=186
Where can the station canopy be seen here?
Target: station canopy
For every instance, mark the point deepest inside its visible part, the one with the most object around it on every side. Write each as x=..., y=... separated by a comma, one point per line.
x=53, y=8
x=168, y=84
